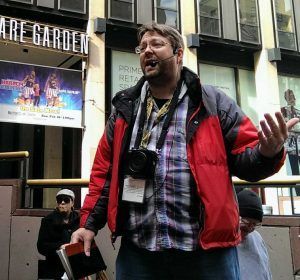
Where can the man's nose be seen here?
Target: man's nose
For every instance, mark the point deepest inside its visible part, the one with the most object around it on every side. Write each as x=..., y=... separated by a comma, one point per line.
x=148, y=48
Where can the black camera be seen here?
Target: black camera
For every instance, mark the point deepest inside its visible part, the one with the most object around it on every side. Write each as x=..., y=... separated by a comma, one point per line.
x=141, y=163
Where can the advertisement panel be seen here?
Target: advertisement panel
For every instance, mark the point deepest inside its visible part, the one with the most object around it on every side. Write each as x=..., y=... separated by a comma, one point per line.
x=289, y=88
x=126, y=70
x=32, y=94
x=221, y=77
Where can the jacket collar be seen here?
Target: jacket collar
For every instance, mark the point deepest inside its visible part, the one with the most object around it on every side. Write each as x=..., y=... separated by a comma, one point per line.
x=125, y=101
x=129, y=94
x=193, y=84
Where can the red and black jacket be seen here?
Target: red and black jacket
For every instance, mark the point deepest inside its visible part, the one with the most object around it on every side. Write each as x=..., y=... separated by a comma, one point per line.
x=221, y=142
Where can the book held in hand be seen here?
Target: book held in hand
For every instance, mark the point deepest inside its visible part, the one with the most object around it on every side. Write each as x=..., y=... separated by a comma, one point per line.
x=76, y=264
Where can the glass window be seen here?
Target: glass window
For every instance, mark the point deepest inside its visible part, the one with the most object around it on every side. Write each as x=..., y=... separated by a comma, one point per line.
x=23, y=1
x=248, y=21
x=125, y=71
x=122, y=9
x=248, y=96
x=46, y=3
x=220, y=77
x=77, y=6
x=209, y=17
x=285, y=24
x=167, y=12
x=167, y=4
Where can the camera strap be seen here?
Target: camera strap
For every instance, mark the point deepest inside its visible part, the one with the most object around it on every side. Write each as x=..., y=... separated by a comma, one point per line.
x=168, y=109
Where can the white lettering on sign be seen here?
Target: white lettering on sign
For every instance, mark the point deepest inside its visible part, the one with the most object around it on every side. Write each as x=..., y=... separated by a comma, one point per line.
x=13, y=30
x=35, y=35
x=66, y=40
x=84, y=42
x=74, y=41
x=43, y=36
x=46, y=39
x=56, y=38
x=22, y=31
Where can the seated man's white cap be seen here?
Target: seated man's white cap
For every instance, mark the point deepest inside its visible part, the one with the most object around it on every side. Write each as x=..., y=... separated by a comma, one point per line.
x=66, y=192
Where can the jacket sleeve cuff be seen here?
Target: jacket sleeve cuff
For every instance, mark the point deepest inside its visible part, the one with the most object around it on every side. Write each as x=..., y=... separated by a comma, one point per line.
x=276, y=162
x=91, y=229
x=278, y=157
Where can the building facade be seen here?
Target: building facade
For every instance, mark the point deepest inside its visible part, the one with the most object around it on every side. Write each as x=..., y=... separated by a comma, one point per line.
x=250, y=49
x=43, y=37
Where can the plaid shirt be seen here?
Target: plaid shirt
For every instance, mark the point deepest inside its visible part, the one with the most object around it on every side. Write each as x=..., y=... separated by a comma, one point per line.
x=170, y=214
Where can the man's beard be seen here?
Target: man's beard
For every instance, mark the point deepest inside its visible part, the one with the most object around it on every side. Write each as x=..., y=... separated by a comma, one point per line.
x=151, y=76
x=158, y=77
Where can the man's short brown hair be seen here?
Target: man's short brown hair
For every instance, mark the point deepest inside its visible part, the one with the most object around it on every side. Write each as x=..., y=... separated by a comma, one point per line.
x=164, y=30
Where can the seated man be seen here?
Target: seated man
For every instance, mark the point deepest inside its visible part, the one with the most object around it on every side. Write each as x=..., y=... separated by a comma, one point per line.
x=56, y=230
x=252, y=252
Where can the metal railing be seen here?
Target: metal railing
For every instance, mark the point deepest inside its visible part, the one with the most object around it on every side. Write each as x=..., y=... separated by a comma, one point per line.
x=54, y=183
x=290, y=182
x=29, y=185
x=32, y=184
x=22, y=157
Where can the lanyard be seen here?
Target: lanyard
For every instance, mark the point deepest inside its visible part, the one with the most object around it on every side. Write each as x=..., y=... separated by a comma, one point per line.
x=161, y=113
x=168, y=109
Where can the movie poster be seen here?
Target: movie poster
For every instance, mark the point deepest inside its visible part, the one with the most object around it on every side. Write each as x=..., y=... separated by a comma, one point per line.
x=32, y=94
x=289, y=88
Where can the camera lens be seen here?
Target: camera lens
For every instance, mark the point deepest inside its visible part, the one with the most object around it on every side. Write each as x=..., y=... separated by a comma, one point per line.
x=138, y=161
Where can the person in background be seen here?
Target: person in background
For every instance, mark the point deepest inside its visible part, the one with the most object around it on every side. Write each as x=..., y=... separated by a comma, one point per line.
x=291, y=145
x=290, y=111
x=37, y=94
x=161, y=177
x=252, y=252
x=55, y=232
x=51, y=90
x=28, y=91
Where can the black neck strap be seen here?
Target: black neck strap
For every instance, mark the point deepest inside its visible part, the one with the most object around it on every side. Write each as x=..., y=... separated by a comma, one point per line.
x=166, y=123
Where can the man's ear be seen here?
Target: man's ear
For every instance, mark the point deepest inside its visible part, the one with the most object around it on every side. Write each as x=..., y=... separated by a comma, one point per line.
x=179, y=55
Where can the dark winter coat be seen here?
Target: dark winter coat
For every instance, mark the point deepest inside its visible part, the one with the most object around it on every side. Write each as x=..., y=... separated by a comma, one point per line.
x=54, y=233
x=221, y=142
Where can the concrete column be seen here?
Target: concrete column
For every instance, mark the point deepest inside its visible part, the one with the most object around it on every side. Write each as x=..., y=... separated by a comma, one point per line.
x=266, y=80
x=94, y=99
x=188, y=13
x=265, y=71
x=52, y=162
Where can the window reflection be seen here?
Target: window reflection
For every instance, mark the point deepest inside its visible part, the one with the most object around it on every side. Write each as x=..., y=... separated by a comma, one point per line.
x=167, y=4
x=167, y=17
x=249, y=27
x=23, y=1
x=285, y=24
x=247, y=94
x=221, y=77
x=122, y=9
x=78, y=6
x=209, y=8
x=248, y=13
x=209, y=17
x=167, y=12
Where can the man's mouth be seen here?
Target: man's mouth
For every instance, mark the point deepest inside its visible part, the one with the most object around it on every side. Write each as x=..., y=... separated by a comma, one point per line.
x=151, y=63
